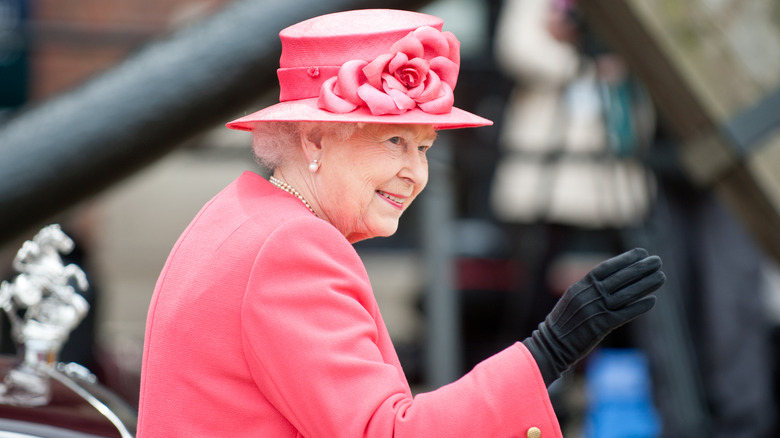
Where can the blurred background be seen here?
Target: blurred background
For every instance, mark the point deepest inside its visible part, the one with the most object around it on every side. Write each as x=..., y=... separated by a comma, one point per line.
x=649, y=123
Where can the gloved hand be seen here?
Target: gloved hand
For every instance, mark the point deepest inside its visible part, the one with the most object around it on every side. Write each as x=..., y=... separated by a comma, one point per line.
x=612, y=294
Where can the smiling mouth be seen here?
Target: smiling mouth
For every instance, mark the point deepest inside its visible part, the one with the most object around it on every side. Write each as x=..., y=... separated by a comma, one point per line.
x=394, y=200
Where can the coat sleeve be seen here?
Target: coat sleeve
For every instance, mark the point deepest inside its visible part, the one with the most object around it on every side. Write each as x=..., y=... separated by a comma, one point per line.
x=310, y=334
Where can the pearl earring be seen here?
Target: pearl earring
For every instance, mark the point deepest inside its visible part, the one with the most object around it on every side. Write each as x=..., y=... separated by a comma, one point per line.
x=314, y=166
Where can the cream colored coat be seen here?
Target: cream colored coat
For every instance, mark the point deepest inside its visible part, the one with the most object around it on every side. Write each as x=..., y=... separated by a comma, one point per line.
x=557, y=106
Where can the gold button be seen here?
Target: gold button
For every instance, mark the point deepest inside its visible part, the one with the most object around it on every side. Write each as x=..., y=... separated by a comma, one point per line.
x=534, y=432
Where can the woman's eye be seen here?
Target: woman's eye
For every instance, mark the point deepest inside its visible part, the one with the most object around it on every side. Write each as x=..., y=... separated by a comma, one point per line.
x=395, y=140
x=423, y=148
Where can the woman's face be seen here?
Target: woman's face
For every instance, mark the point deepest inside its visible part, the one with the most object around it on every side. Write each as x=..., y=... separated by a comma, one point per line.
x=366, y=182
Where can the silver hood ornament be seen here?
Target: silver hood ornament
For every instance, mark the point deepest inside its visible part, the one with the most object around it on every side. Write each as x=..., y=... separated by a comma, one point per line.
x=43, y=306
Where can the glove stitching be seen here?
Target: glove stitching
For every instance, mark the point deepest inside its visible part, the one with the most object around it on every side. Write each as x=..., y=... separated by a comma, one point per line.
x=567, y=333
x=573, y=314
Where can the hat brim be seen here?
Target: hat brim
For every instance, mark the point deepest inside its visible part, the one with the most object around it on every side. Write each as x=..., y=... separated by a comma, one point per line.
x=307, y=110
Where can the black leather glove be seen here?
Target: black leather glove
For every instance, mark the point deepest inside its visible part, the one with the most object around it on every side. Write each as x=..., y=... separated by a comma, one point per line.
x=613, y=293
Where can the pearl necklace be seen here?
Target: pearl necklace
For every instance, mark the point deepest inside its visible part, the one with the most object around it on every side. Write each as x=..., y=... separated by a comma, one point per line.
x=288, y=188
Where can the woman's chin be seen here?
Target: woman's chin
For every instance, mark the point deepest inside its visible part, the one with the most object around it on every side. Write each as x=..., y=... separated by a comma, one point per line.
x=385, y=230
x=389, y=228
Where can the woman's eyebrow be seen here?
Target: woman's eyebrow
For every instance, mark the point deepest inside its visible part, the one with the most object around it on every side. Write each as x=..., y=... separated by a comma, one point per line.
x=414, y=134
x=428, y=140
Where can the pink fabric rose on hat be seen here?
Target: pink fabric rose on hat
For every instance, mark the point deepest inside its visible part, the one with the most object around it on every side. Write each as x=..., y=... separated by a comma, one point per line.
x=420, y=70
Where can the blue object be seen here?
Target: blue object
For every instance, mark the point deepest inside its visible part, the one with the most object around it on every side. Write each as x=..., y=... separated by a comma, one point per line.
x=619, y=394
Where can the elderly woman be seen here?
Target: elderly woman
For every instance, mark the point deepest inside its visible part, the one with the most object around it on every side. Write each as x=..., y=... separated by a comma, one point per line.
x=263, y=321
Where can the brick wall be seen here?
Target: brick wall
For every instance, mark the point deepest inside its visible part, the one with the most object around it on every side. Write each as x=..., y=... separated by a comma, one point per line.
x=75, y=39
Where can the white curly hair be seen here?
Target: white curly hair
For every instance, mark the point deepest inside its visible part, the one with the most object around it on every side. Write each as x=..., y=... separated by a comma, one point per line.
x=274, y=143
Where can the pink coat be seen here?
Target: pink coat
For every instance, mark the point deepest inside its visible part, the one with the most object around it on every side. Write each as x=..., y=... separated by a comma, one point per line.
x=264, y=324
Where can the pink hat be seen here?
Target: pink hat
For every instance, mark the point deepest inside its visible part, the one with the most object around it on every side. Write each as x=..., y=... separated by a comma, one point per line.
x=370, y=66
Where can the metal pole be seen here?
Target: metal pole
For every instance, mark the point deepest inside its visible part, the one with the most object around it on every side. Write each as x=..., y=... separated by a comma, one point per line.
x=442, y=306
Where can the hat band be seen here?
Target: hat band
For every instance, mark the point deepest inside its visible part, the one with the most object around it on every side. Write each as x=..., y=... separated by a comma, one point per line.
x=303, y=82
x=419, y=71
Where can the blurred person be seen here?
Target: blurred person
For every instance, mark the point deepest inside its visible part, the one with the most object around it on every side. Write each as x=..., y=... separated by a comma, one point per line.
x=569, y=181
x=263, y=321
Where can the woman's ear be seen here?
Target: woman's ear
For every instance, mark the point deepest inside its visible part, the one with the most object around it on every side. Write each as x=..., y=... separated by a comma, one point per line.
x=311, y=142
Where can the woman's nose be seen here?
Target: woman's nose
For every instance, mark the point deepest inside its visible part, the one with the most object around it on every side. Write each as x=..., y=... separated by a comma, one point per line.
x=415, y=167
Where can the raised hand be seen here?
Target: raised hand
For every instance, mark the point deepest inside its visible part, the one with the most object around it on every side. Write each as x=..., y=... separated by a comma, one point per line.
x=612, y=294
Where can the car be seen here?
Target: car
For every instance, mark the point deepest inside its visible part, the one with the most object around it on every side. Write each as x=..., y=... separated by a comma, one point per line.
x=40, y=396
